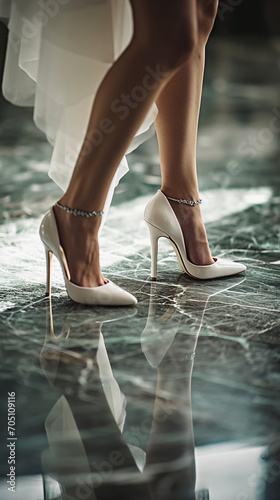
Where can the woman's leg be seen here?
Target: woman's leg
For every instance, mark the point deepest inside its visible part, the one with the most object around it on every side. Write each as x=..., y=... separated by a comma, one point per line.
x=164, y=38
x=177, y=123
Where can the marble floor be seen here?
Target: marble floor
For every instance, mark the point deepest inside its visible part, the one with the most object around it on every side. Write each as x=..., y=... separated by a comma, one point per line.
x=179, y=397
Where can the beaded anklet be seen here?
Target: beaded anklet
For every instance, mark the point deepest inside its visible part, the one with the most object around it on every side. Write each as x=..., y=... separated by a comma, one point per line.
x=186, y=202
x=77, y=212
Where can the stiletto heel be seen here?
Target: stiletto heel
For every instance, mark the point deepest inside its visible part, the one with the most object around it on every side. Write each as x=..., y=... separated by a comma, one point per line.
x=108, y=294
x=155, y=234
x=49, y=256
x=162, y=222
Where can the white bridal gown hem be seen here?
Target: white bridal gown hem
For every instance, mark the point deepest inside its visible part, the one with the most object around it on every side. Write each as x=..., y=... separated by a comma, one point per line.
x=57, y=55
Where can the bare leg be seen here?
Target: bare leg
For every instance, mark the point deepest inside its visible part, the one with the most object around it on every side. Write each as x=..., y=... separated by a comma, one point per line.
x=177, y=123
x=163, y=37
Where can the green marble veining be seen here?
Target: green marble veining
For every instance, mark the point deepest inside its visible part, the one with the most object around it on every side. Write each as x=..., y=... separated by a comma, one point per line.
x=110, y=401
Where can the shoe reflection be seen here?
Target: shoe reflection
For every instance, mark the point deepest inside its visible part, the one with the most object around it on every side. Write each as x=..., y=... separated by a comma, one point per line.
x=169, y=343
x=89, y=455
x=80, y=462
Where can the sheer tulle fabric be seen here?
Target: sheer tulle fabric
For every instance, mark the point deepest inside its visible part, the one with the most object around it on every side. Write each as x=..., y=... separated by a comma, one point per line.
x=58, y=53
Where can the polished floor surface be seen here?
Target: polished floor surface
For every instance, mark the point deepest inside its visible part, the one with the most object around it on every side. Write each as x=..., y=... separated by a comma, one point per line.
x=179, y=397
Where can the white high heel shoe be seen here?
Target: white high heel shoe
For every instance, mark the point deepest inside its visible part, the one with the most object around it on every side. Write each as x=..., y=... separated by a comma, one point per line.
x=162, y=222
x=104, y=295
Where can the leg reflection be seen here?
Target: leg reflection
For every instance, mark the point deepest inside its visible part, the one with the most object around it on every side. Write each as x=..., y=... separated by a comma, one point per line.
x=169, y=342
x=89, y=455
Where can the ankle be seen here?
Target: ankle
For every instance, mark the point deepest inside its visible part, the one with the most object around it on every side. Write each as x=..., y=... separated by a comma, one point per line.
x=191, y=194
x=69, y=222
x=88, y=202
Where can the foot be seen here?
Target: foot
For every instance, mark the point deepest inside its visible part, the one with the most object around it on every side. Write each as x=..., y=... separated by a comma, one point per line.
x=194, y=232
x=79, y=240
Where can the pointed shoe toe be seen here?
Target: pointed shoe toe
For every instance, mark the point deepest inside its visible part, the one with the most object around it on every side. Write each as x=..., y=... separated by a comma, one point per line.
x=229, y=268
x=105, y=295
x=221, y=268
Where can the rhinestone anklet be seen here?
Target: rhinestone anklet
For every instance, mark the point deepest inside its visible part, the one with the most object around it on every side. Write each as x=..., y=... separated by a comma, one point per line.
x=186, y=202
x=77, y=212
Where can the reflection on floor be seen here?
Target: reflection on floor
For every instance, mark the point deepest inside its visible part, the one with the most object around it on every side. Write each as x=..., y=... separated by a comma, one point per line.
x=177, y=398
